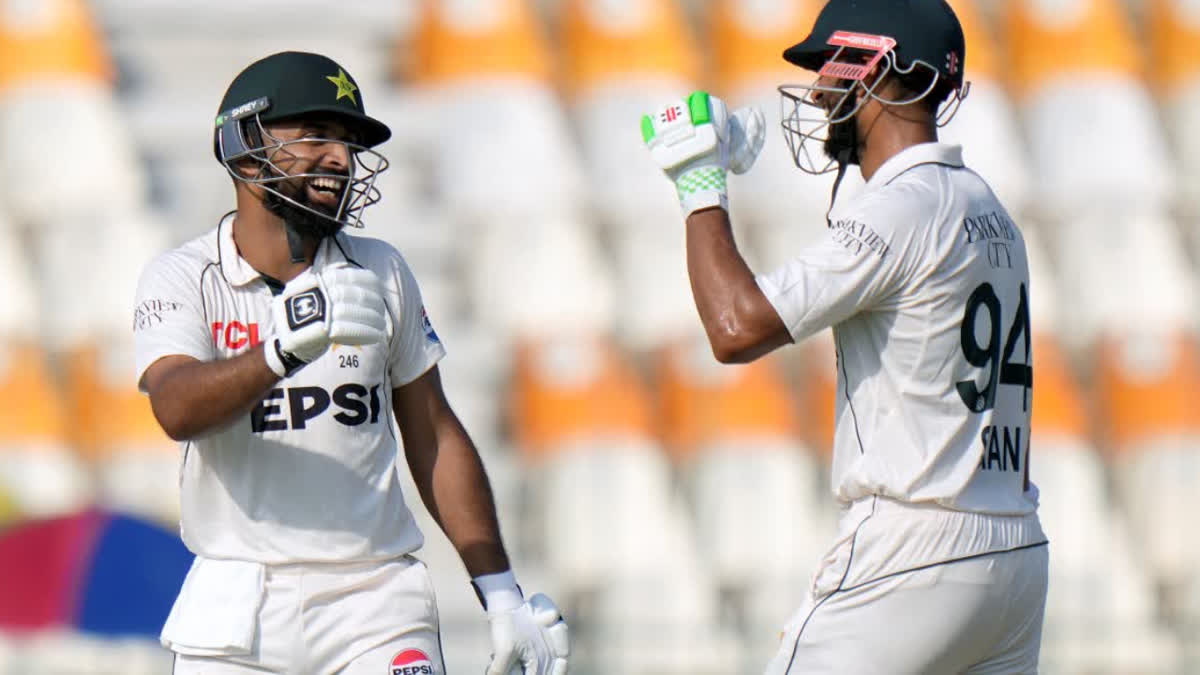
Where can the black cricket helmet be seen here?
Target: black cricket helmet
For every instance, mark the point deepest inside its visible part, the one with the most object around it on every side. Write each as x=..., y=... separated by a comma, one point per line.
x=920, y=41
x=295, y=85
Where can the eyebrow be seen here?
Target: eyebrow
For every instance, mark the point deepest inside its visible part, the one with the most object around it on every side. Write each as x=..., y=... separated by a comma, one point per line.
x=325, y=128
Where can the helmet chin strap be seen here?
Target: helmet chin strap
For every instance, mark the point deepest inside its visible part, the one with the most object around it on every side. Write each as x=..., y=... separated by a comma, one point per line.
x=843, y=160
x=295, y=243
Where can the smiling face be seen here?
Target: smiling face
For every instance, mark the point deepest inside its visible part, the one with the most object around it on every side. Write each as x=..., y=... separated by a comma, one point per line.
x=310, y=166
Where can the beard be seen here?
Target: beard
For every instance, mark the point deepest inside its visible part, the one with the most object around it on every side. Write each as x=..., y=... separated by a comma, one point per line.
x=307, y=218
x=841, y=143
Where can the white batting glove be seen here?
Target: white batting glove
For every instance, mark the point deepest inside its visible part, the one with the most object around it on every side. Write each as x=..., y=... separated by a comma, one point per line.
x=530, y=640
x=696, y=142
x=342, y=304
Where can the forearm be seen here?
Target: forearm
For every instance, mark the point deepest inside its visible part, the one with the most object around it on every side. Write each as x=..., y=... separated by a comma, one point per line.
x=195, y=398
x=454, y=486
x=740, y=323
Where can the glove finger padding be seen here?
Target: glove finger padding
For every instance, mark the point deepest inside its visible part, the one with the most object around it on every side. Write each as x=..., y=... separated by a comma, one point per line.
x=747, y=133
x=696, y=141
x=358, y=314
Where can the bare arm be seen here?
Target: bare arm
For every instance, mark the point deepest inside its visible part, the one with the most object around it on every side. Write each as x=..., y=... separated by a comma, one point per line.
x=191, y=398
x=449, y=474
x=741, y=324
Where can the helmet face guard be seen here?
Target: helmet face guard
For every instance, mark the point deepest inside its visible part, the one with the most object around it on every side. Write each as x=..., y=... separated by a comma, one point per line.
x=235, y=145
x=808, y=126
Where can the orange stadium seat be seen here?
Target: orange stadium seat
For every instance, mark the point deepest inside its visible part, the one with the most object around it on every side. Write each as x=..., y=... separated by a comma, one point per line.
x=620, y=61
x=500, y=154
x=583, y=420
x=1174, y=32
x=56, y=74
x=457, y=42
x=606, y=43
x=501, y=148
x=734, y=431
x=38, y=468
x=1101, y=608
x=1147, y=386
x=986, y=124
x=1092, y=128
x=135, y=463
x=704, y=402
x=781, y=207
x=567, y=390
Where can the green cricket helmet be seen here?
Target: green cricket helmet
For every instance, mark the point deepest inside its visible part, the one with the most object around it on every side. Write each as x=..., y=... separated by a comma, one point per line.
x=295, y=85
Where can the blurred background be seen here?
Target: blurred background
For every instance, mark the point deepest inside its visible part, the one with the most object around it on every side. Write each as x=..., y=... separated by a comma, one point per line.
x=674, y=507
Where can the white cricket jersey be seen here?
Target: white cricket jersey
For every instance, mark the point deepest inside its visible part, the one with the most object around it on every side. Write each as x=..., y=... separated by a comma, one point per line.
x=924, y=278
x=310, y=473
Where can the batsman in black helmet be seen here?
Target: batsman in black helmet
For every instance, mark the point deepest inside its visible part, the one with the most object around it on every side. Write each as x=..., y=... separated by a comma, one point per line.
x=940, y=562
x=276, y=349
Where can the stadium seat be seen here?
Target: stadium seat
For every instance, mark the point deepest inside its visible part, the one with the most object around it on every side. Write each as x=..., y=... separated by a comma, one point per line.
x=780, y=207
x=1091, y=125
x=136, y=465
x=816, y=366
x=622, y=60
x=539, y=277
x=986, y=124
x=1126, y=271
x=734, y=430
x=38, y=471
x=1101, y=614
x=90, y=334
x=504, y=168
x=1174, y=31
x=582, y=419
x=1146, y=386
x=502, y=149
x=56, y=75
x=568, y=389
x=37, y=465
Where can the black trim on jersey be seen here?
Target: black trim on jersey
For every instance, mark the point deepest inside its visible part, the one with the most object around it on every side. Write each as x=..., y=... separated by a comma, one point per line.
x=187, y=448
x=952, y=166
x=203, y=302
x=846, y=391
x=345, y=255
x=796, y=644
x=926, y=566
x=846, y=573
x=275, y=285
x=220, y=262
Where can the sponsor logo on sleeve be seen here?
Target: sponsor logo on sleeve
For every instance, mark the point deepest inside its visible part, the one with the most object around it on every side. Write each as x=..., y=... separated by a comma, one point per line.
x=152, y=312
x=427, y=326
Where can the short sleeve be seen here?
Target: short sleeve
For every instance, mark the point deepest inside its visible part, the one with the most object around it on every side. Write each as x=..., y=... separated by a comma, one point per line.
x=168, y=314
x=856, y=267
x=415, y=346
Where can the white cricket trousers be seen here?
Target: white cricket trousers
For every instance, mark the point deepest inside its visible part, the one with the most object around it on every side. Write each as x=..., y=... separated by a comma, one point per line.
x=978, y=615
x=375, y=618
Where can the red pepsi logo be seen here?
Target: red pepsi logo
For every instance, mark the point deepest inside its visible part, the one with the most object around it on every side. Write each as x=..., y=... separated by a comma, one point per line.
x=411, y=662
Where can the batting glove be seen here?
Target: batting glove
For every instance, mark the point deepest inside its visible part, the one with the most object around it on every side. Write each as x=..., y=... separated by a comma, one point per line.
x=696, y=142
x=531, y=639
x=342, y=304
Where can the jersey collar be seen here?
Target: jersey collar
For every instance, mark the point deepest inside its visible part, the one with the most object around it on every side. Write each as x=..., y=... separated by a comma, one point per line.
x=238, y=272
x=924, y=153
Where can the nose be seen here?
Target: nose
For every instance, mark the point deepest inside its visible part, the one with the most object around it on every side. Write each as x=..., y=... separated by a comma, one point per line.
x=336, y=157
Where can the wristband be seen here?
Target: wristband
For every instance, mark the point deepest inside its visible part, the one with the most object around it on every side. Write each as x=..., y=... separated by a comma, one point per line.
x=280, y=362
x=498, y=592
x=702, y=188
